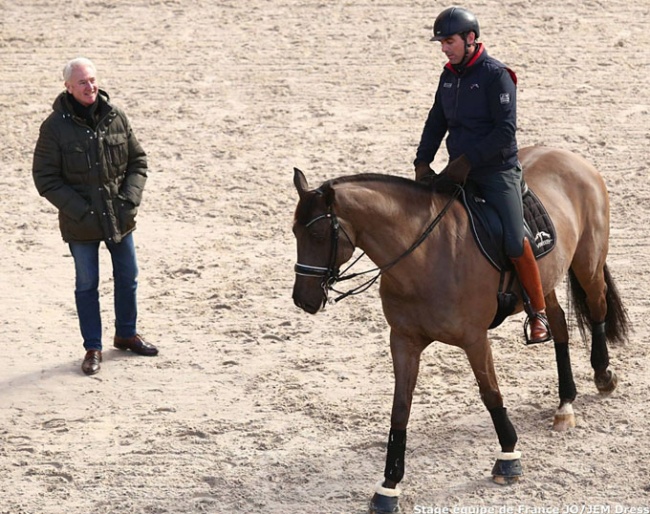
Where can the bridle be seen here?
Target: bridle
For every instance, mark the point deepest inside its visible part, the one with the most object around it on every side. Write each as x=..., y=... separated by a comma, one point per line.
x=331, y=274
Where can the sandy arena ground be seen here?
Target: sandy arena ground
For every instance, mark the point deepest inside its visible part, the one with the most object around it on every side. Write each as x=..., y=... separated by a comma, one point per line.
x=253, y=406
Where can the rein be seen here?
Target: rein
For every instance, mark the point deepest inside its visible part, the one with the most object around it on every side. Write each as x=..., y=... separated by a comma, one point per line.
x=331, y=274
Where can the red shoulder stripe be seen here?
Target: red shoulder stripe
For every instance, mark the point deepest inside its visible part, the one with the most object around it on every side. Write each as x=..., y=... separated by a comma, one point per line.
x=512, y=75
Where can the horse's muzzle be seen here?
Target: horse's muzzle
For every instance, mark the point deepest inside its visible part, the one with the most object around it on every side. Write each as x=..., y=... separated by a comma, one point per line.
x=311, y=301
x=306, y=306
x=309, y=308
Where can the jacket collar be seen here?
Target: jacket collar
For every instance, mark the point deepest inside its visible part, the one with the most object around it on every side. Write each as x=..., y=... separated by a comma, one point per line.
x=62, y=104
x=479, y=56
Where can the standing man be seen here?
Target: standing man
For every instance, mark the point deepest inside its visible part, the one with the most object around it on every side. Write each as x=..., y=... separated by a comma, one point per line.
x=90, y=166
x=476, y=106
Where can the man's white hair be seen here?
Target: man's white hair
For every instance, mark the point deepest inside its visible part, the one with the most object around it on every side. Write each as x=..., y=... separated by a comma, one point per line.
x=76, y=63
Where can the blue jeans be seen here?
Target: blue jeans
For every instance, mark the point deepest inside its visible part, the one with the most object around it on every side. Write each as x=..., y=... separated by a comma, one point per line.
x=125, y=277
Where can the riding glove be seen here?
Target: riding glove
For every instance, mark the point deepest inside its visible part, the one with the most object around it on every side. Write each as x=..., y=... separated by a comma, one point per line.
x=423, y=172
x=458, y=169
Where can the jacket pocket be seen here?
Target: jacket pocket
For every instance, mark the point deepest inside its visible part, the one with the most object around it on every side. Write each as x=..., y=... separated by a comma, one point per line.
x=117, y=153
x=75, y=159
x=126, y=213
x=88, y=228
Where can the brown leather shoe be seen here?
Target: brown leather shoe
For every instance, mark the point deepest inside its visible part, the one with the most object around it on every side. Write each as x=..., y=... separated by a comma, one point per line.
x=90, y=365
x=136, y=344
x=539, y=329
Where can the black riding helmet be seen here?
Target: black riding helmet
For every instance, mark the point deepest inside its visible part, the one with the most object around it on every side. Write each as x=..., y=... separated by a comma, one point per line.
x=454, y=20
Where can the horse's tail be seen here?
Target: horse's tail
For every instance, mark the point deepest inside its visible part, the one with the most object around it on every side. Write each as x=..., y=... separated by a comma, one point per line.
x=616, y=320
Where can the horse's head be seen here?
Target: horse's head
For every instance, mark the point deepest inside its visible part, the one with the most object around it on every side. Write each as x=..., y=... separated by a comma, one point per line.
x=320, y=249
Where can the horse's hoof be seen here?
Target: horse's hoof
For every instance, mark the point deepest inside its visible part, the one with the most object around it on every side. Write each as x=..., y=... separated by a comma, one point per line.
x=507, y=469
x=606, y=383
x=385, y=501
x=380, y=504
x=564, y=418
x=505, y=480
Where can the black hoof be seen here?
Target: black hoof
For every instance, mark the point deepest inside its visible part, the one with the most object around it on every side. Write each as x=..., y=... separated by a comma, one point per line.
x=606, y=382
x=380, y=504
x=506, y=472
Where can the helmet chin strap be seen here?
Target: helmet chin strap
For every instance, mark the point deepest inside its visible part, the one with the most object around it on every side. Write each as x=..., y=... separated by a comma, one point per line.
x=468, y=54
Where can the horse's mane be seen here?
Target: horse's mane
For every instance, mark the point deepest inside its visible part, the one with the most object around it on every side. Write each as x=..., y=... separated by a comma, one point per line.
x=328, y=185
x=326, y=190
x=435, y=184
x=371, y=177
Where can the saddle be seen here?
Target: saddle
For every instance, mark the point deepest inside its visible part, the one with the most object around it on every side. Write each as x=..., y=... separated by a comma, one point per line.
x=488, y=234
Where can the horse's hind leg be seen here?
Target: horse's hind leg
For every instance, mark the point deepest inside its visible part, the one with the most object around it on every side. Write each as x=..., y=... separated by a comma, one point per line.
x=507, y=468
x=564, y=416
x=604, y=378
x=591, y=304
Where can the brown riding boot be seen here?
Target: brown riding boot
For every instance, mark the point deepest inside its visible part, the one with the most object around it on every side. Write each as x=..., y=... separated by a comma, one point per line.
x=528, y=274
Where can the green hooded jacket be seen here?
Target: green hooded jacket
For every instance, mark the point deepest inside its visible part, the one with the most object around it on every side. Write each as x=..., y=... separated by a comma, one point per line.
x=95, y=178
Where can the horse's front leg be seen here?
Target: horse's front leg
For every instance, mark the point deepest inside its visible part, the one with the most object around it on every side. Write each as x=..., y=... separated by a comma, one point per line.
x=564, y=415
x=406, y=352
x=507, y=468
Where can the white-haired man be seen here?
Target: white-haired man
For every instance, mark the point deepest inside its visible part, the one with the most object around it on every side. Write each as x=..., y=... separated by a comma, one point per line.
x=90, y=166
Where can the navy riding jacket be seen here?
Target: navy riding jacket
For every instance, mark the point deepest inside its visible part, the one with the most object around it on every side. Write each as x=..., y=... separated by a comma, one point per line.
x=478, y=107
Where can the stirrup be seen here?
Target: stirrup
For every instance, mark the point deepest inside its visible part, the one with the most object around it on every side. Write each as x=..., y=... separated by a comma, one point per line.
x=544, y=321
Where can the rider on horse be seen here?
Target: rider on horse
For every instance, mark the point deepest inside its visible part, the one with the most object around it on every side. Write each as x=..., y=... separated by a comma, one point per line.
x=475, y=103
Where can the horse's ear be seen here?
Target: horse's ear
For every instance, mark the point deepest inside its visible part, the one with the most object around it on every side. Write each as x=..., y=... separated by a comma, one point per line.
x=300, y=182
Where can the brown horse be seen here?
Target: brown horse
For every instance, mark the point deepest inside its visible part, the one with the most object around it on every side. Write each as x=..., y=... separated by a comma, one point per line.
x=437, y=286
